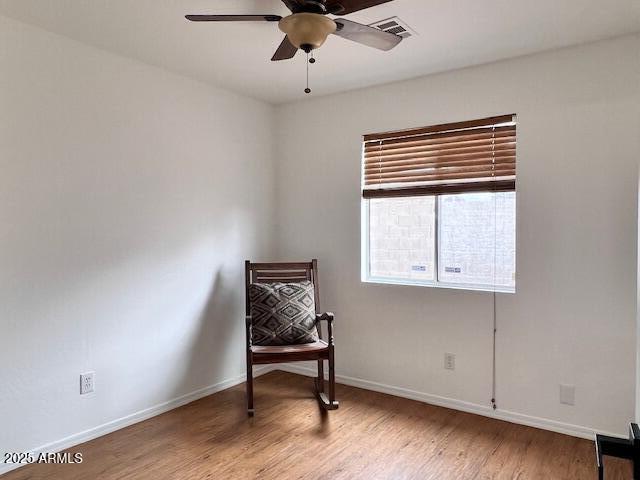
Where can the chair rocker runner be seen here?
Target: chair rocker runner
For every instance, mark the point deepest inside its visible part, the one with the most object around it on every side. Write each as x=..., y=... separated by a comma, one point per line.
x=283, y=323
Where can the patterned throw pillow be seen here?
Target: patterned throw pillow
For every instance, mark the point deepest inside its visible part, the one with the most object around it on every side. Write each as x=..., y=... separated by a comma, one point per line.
x=283, y=313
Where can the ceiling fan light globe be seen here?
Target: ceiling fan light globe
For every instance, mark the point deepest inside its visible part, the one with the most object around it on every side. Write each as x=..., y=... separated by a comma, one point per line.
x=308, y=29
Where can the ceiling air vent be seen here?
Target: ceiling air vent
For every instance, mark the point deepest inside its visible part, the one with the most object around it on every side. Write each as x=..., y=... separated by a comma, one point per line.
x=394, y=25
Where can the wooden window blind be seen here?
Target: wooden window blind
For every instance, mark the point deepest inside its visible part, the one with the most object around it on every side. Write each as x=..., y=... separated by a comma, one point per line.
x=472, y=156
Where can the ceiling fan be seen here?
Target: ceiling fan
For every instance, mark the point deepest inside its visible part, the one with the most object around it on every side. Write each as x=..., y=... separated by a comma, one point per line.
x=308, y=27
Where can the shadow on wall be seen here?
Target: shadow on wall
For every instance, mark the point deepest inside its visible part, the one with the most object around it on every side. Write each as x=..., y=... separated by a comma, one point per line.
x=217, y=351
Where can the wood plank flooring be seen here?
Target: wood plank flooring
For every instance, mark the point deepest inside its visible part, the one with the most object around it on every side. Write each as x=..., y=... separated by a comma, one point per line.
x=371, y=436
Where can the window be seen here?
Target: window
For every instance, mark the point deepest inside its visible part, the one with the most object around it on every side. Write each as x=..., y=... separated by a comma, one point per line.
x=439, y=205
x=402, y=238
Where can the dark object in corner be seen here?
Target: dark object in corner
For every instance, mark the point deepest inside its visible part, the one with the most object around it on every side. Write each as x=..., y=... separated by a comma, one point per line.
x=621, y=448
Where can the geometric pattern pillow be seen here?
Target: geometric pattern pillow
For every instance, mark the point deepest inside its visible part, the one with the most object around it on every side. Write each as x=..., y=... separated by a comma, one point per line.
x=283, y=313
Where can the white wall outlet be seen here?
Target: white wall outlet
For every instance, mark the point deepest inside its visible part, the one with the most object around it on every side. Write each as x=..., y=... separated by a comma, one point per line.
x=86, y=383
x=567, y=394
x=449, y=361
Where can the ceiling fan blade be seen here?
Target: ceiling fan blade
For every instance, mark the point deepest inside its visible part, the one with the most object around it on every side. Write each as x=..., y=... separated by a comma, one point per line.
x=292, y=5
x=233, y=18
x=285, y=51
x=366, y=35
x=344, y=7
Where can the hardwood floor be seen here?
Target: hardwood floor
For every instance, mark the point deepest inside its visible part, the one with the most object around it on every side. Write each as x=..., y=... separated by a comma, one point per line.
x=371, y=436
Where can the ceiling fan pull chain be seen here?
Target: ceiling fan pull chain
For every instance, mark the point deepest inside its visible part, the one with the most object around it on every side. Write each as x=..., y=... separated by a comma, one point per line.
x=308, y=90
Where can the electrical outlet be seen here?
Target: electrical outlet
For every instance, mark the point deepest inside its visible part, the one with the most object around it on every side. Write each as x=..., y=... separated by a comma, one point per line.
x=449, y=361
x=567, y=394
x=86, y=383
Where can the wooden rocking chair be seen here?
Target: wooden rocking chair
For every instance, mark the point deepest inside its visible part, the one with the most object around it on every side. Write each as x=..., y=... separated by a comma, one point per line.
x=321, y=350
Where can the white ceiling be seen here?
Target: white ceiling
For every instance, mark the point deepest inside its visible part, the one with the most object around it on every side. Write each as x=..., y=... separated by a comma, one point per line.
x=451, y=34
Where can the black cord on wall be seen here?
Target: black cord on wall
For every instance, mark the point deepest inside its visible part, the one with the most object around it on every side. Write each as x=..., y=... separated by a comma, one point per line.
x=495, y=254
x=493, y=362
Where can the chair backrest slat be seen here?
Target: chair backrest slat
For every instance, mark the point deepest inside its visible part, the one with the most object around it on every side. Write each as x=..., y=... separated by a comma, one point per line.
x=271, y=276
x=282, y=266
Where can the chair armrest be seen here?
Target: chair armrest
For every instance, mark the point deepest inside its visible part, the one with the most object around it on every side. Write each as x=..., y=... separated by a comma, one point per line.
x=328, y=317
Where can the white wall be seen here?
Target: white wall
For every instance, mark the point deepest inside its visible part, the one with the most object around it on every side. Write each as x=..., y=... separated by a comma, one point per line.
x=572, y=319
x=129, y=198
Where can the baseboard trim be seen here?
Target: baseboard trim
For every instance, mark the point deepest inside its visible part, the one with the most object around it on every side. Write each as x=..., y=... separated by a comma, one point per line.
x=117, y=424
x=484, y=410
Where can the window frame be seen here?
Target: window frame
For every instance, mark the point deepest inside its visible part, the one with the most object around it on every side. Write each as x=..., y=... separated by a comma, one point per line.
x=366, y=276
